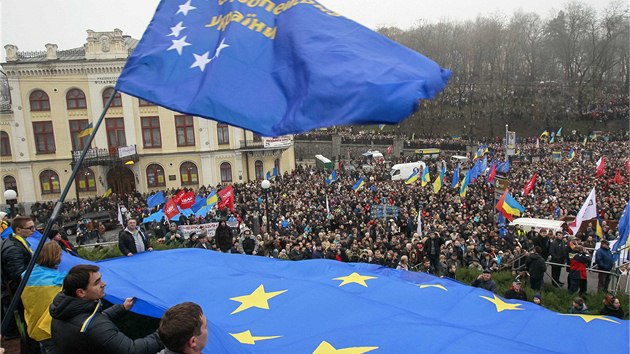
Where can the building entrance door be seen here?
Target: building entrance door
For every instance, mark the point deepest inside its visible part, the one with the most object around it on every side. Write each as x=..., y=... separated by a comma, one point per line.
x=121, y=180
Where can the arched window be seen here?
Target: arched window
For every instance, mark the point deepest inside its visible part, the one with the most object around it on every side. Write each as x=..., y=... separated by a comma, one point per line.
x=49, y=181
x=85, y=180
x=75, y=99
x=276, y=164
x=188, y=173
x=5, y=144
x=39, y=101
x=116, y=102
x=258, y=168
x=155, y=176
x=10, y=183
x=226, y=172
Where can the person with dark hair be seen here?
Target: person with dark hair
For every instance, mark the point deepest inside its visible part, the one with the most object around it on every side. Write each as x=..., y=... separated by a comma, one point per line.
x=605, y=263
x=80, y=326
x=15, y=254
x=484, y=281
x=579, y=261
x=42, y=286
x=63, y=242
x=536, y=268
x=578, y=307
x=558, y=253
x=612, y=307
x=223, y=237
x=184, y=329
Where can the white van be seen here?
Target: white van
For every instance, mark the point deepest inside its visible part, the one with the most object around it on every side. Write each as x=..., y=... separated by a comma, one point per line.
x=459, y=158
x=402, y=171
x=374, y=155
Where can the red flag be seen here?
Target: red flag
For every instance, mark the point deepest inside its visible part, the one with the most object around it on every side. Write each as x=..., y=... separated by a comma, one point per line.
x=493, y=172
x=389, y=150
x=227, y=198
x=530, y=185
x=178, y=197
x=601, y=166
x=617, y=179
x=187, y=200
x=170, y=209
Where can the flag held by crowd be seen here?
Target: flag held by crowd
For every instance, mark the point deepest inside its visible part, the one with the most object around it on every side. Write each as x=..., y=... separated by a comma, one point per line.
x=331, y=178
x=464, y=188
x=509, y=207
x=571, y=155
x=600, y=167
x=155, y=199
x=86, y=131
x=425, y=175
x=264, y=305
x=493, y=172
x=455, y=181
x=587, y=212
x=227, y=198
x=412, y=177
x=315, y=67
x=624, y=232
x=439, y=181
x=529, y=186
x=358, y=185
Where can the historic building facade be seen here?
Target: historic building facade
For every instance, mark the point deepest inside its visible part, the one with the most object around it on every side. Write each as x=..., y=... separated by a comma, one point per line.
x=49, y=98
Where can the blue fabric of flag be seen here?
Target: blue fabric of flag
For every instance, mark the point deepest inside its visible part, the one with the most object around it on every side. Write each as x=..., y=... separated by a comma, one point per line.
x=157, y=216
x=268, y=176
x=484, y=165
x=204, y=210
x=504, y=167
x=275, y=172
x=358, y=305
x=199, y=203
x=276, y=68
x=155, y=200
x=624, y=231
x=455, y=181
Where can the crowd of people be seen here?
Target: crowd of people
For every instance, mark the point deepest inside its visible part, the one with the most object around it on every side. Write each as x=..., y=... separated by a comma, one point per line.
x=310, y=217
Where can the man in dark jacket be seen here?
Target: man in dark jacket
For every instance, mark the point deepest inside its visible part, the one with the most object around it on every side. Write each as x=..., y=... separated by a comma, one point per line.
x=558, y=253
x=484, y=281
x=132, y=240
x=536, y=268
x=223, y=237
x=604, y=261
x=79, y=326
x=516, y=292
x=431, y=249
x=15, y=256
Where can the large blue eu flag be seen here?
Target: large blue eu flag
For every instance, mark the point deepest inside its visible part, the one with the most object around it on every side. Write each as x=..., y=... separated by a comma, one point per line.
x=276, y=67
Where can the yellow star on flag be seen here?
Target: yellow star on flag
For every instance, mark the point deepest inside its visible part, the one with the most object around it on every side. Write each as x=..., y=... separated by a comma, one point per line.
x=247, y=338
x=259, y=298
x=354, y=278
x=589, y=318
x=439, y=286
x=502, y=305
x=325, y=348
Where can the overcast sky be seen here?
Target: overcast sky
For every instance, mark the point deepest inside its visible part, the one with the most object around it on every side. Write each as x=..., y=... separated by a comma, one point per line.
x=30, y=24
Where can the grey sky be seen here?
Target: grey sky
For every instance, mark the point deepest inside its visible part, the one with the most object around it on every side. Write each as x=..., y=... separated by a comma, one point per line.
x=30, y=24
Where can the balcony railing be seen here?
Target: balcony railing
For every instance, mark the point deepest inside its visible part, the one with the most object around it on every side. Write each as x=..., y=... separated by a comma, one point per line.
x=104, y=157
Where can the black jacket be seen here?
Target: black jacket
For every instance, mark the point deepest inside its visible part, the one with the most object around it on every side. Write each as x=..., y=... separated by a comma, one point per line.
x=127, y=244
x=536, y=266
x=15, y=258
x=101, y=336
x=224, y=238
x=558, y=251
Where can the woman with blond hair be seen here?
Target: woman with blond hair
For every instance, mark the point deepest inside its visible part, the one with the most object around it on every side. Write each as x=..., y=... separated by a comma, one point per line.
x=42, y=286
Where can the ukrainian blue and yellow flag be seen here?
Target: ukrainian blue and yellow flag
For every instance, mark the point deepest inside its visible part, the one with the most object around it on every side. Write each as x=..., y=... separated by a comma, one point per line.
x=559, y=132
x=439, y=181
x=585, y=140
x=412, y=177
x=464, y=187
x=599, y=231
x=455, y=181
x=41, y=288
x=425, y=176
x=544, y=134
x=107, y=193
x=213, y=198
x=571, y=155
x=358, y=185
x=331, y=178
x=86, y=131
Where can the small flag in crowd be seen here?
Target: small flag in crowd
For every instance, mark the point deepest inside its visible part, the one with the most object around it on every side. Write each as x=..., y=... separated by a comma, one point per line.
x=412, y=177
x=599, y=231
x=464, y=187
x=601, y=167
x=439, y=181
x=155, y=199
x=571, y=155
x=268, y=176
x=332, y=178
x=509, y=207
x=585, y=140
x=455, y=181
x=624, y=231
x=86, y=131
x=529, y=186
x=425, y=175
x=587, y=212
x=227, y=198
x=213, y=198
x=559, y=132
x=107, y=193
x=358, y=185
x=493, y=172
x=544, y=134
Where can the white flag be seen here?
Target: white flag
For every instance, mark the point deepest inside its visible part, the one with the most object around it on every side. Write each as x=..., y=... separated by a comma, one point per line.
x=587, y=212
x=537, y=143
x=120, y=217
x=327, y=207
x=419, y=230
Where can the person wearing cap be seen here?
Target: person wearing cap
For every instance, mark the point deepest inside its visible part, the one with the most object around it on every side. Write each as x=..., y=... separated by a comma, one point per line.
x=247, y=243
x=557, y=254
x=537, y=299
x=484, y=281
x=202, y=240
x=4, y=221
x=62, y=241
x=605, y=263
x=516, y=291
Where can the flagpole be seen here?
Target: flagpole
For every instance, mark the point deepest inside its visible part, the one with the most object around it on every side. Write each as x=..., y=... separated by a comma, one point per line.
x=506, y=142
x=53, y=216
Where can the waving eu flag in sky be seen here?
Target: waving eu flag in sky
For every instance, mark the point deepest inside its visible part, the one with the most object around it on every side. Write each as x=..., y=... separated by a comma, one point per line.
x=276, y=67
x=263, y=305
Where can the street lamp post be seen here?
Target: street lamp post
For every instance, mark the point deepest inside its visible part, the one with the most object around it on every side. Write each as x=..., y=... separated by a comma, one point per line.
x=11, y=197
x=265, y=184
